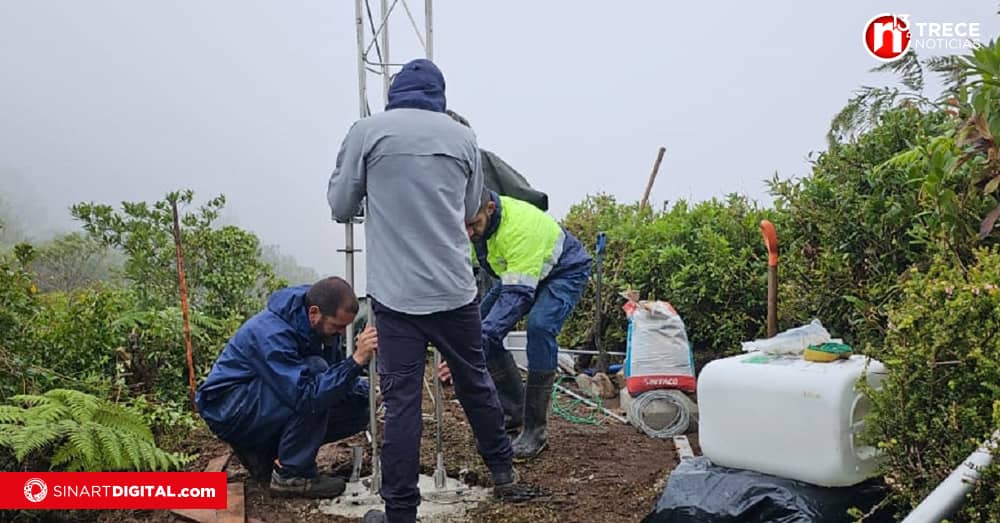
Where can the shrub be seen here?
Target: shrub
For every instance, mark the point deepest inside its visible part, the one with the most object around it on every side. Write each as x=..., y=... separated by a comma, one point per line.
x=707, y=259
x=941, y=397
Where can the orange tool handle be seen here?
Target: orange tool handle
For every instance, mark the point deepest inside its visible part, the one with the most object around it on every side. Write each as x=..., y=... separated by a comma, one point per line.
x=770, y=241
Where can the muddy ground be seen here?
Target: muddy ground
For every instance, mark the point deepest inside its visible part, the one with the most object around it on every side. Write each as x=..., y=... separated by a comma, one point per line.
x=606, y=472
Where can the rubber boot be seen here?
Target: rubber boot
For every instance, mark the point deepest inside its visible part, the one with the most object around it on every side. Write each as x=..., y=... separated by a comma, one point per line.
x=507, y=379
x=537, y=397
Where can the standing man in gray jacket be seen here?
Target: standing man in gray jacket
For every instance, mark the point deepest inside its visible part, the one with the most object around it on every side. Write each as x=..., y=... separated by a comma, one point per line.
x=421, y=174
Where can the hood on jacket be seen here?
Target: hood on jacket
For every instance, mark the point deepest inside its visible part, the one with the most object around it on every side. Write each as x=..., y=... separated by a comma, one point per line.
x=289, y=305
x=419, y=85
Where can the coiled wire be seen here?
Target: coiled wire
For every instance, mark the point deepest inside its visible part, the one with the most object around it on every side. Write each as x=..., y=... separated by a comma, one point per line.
x=675, y=427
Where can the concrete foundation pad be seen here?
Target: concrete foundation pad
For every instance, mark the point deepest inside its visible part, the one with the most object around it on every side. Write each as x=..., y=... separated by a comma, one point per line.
x=445, y=504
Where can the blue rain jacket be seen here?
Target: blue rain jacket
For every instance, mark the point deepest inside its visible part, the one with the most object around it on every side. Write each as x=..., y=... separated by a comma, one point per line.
x=261, y=378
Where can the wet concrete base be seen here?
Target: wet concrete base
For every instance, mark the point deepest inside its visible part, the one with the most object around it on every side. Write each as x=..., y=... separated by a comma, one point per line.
x=448, y=503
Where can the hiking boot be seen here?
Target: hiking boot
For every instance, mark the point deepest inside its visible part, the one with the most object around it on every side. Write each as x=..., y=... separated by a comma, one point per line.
x=375, y=516
x=257, y=462
x=538, y=394
x=318, y=486
x=504, y=481
x=510, y=390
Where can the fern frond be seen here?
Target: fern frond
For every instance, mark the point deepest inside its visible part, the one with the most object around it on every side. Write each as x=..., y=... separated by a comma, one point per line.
x=87, y=447
x=47, y=413
x=28, y=441
x=30, y=400
x=87, y=433
x=953, y=70
x=861, y=113
x=110, y=446
x=62, y=456
x=11, y=415
x=120, y=418
x=131, y=448
x=907, y=68
x=81, y=405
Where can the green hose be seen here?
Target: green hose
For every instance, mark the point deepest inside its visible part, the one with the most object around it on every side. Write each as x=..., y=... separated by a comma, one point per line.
x=566, y=412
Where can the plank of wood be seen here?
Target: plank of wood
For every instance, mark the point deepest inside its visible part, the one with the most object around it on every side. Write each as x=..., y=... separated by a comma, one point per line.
x=200, y=515
x=683, y=447
x=235, y=511
x=218, y=463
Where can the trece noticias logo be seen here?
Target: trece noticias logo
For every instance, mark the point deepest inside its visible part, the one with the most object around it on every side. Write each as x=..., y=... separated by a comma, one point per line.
x=889, y=36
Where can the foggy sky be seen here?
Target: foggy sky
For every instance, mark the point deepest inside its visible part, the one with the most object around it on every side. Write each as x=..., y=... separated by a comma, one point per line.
x=126, y=100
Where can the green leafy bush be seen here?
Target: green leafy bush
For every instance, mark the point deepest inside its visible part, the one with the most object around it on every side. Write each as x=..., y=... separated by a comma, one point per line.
x=152, y=354
x=941, y=398
x=75, y=431
x=706, y=259
x=18, y=309
x=225, y=275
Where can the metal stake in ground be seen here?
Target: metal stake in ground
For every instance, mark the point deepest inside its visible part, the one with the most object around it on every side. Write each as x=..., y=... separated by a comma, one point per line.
x=439, y=472
x=372, y=417
x=602, y=358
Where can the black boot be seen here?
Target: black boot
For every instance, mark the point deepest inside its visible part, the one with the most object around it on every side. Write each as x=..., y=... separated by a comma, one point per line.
x=507, y=378
x=537, y=396
x=258, y=463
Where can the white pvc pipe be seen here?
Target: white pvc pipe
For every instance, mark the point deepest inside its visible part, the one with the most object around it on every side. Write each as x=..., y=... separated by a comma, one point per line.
x=950, y=494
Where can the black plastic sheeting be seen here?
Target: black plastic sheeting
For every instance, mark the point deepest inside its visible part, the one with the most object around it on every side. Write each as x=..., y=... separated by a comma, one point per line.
x=699, y=492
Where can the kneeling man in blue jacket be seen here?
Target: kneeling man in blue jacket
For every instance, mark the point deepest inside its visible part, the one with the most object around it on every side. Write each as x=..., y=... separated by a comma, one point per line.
x=282, y=386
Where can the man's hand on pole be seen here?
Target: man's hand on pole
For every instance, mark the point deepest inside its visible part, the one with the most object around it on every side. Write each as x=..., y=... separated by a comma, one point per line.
x=444, y=373
x=365, y=346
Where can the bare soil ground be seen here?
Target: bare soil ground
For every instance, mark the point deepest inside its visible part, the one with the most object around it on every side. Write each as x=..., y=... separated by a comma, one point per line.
x=606, y=472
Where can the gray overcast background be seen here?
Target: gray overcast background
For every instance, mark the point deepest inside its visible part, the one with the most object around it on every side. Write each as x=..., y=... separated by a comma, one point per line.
x=125, y=100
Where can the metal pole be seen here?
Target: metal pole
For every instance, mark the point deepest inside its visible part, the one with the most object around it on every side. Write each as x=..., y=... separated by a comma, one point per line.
x=602, y=358
x=428, y=30
x=439, y=470
x=573, y=351
x=359, y=25
x=948, y=497
x=386, y=80
x=376, y=482
x=372, y=417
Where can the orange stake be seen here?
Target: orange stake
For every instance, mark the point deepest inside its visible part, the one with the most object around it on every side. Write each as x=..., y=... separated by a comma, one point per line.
x=184, y=302
x=771, y=242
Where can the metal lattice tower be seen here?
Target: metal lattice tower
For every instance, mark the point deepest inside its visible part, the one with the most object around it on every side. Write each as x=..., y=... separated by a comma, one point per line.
x=374, y=59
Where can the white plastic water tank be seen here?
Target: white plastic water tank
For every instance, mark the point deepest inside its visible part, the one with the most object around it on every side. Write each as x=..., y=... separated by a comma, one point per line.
x=788, y=417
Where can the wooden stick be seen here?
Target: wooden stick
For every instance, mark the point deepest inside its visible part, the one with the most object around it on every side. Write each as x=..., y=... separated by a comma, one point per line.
x=683, y=447
x=652, y=178
x=771, y=242
x=184, y=301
